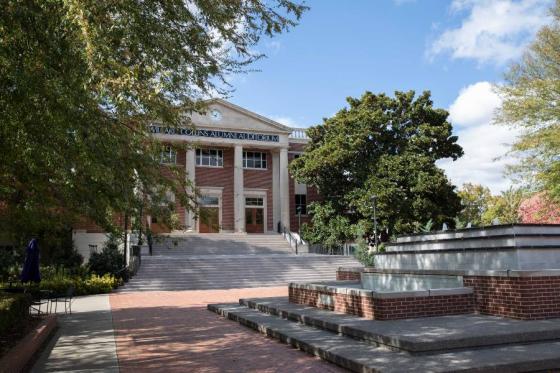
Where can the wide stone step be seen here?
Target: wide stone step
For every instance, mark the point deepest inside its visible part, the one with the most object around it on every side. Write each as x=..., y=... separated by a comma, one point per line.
x=360, y=356
x=415, y=335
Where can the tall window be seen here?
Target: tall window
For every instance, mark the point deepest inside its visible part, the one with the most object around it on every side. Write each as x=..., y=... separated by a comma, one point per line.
x=210, y=157
x=254, y=160
x=168, y=155
x=301, y=202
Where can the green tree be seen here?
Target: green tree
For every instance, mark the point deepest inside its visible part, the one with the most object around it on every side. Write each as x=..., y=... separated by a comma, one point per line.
x=386, y=147
x=475, y=199
x=504, y=207
x=81, y=80
x=532, y=104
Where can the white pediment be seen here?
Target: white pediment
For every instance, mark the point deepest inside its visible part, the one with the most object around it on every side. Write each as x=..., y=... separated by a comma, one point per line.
x=233, y=117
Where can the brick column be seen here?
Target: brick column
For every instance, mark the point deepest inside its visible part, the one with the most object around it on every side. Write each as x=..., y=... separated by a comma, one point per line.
x=238, y=190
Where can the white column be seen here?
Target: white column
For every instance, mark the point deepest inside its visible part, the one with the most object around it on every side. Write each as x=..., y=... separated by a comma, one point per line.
x=276, y=215
x=284, y=189
x=190, y=167
x=238, y=186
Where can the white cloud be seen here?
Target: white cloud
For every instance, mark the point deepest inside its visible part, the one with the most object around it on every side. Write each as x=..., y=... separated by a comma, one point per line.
x=475, y=105
x=485, y=144
x=287, y=121
x=493, y=30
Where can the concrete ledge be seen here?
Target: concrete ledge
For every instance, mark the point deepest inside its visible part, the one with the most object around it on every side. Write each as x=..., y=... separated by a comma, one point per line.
x=351, y=269
x=499, y=273
x=21, y=355
x=341, y=287
x=401, y=294
x=450, y=291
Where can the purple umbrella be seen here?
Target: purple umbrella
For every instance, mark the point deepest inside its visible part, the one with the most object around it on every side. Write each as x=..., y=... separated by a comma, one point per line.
x=30, y=271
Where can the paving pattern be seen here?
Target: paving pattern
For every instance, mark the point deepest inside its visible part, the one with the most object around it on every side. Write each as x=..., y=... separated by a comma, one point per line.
x=158, y=322
x=174, y=332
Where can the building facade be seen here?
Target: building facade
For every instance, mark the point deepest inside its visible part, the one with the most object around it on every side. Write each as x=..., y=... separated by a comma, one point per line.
x=238, y=162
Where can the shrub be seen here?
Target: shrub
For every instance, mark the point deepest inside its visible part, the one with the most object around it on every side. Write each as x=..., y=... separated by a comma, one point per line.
x=99, y=284
x=362, y=252
x=14, y=311
x=109, y=260
x=11, y=259
x=88, y=285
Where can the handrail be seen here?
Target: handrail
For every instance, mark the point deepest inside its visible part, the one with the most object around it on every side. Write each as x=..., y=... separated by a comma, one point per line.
x=288, y=234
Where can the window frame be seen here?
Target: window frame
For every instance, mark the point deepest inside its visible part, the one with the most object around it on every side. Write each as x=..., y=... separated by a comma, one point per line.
x=304, y=209
x=219, y=157
x=168, y=155
x=263, y=160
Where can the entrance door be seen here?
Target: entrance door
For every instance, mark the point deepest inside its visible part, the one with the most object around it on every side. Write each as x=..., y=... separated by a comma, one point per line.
x=254, y=220
x=209, y=220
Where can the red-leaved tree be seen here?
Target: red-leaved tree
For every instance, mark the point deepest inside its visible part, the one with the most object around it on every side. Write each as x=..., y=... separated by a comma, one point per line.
x=539, y=209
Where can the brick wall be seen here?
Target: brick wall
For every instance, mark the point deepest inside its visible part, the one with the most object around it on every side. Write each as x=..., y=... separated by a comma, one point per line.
x=262, y=179
x=220, y=177
x=312, y=195
x=342, y=275
x=527, y=298
x=437, y=305
x=384, y=308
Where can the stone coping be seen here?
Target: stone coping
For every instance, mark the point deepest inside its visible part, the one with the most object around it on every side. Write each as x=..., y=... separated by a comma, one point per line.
x=474, y=229
x=465, y=249
x=18, y=358
x=477, y=238
x=488, y=273
x=354, y=288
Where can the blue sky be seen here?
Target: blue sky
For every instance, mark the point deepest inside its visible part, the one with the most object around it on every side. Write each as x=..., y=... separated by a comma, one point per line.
x=456, y=49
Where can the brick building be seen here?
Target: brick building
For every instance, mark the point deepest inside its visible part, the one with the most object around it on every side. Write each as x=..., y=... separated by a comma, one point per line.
x=238, y=161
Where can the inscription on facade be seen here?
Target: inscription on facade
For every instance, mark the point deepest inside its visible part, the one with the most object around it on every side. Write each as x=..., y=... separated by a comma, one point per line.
x=181, y=131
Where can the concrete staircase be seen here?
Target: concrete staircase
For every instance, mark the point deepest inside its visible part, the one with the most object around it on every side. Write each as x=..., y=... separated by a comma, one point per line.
x=461, y=343
x=229, y=261
x=221, y=244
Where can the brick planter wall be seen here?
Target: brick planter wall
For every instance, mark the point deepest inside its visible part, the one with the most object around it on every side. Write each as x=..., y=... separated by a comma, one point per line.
x=18, y=358
x=527, y=298
x=347, y=274
x=383, y=308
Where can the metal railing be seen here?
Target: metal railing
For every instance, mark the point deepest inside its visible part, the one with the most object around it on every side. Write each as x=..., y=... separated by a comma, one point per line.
x=289, y=236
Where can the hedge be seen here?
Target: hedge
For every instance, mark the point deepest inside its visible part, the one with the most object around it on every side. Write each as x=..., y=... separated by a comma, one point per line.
x=14, y=311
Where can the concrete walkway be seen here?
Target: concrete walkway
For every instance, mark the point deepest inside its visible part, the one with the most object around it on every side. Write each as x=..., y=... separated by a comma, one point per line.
x=84, y=340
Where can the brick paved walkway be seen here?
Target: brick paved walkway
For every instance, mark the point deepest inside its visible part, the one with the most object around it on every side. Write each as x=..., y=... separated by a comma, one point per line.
x=173, y=332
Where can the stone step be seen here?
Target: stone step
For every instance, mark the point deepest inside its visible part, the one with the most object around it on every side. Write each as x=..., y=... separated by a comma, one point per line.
x=420, y=335
x=360, y=356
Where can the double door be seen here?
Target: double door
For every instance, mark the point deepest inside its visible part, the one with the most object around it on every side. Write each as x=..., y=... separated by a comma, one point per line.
x=254, y=220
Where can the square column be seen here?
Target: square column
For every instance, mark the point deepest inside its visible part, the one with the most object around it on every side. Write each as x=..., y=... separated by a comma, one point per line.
x=284, y=189
x=238, y=190
x=276, y=214
x=190, y=167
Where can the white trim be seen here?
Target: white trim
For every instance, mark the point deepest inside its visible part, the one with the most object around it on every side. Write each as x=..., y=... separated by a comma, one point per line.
x=252, y=114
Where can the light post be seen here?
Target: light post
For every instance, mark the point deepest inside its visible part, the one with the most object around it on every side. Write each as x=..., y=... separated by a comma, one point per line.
x=373, y=202
x=298, y=210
